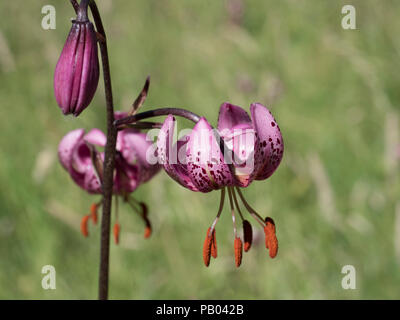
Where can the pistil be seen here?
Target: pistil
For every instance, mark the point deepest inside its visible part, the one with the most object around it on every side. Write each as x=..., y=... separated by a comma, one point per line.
x=238, y=245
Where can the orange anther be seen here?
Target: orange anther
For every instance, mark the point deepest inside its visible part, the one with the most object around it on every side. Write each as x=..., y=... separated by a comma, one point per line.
x=271, y=242
x=247, y=235
x=84, y=225
x=147, y=229
x=238, y=251
x=207, y=248
x=214, y=245
x=116, y=231
x=93, y=212
x=147, y=232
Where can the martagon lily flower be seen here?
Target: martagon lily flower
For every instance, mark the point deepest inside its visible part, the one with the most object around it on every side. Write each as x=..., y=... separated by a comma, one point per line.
x=78, y=155
x=243, y=149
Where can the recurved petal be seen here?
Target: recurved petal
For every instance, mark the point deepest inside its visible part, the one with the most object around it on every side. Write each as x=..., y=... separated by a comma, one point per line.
x=81, y=157
x=137, y=150
x=231, y=116
x=127, y=178
x=67, y=145
x=205, y=162
x=242, y=141
x=96, y=137
x=181, y=168
x=171, y=155
x=120, y=114
x=87, y=180
x=117, y=116
x=270, y=141
x=91, y=181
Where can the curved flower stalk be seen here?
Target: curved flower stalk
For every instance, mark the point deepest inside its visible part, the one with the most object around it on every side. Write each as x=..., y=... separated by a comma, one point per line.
x=79, y=156
x=241, y=150
x=77, y=71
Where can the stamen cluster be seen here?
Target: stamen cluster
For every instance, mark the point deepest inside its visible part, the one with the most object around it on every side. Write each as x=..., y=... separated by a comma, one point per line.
x=268, y=225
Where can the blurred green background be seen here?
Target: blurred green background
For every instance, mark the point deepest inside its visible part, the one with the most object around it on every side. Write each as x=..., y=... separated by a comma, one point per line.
x=334, y=198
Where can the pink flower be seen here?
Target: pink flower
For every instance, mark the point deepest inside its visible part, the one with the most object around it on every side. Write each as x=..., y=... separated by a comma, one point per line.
x=131, y=169
x=243, y=149
x=257, y=146
x=75, y=157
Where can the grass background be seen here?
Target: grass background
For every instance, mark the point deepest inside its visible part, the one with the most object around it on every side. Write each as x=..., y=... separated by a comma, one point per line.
x=334, y=199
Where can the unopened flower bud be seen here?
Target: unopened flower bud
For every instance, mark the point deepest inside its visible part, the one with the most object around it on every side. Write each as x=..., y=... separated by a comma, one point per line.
x=77, y=72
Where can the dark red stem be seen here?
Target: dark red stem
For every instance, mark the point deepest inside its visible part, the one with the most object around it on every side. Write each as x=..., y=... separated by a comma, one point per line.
x=109, y=160
x=75, y=5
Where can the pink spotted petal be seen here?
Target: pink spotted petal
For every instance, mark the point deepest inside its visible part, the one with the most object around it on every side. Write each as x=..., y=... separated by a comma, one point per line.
x=96, y=137
x=236, y=128
x=137, y=150
x=231, y=116
x=241, y=140
x=73, y=154
x=270, y=139
x=87, y=180
x=67, y=145
x=81, y=158
x=92, y=182
x=117, y=116
x=82, y=169
x=206, y=166
x=172, y=156
x=127, y=178
x=120, y=114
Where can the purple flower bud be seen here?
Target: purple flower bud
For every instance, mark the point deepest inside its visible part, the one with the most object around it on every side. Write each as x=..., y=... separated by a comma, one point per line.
x=77, y=71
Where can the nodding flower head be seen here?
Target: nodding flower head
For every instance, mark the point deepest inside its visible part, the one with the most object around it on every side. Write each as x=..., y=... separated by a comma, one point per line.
x=241, y=150
x=78, y=155
x=77, y=72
